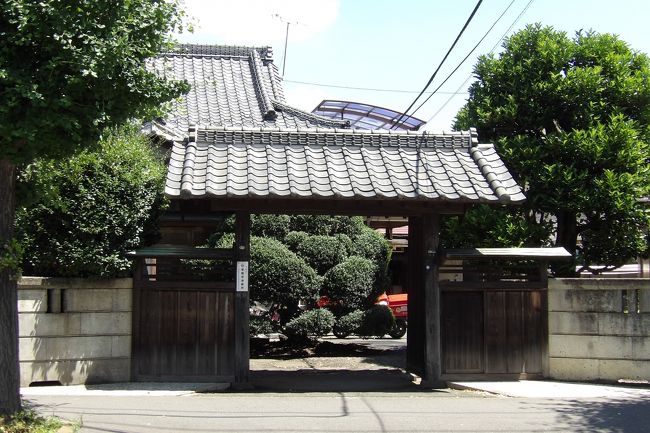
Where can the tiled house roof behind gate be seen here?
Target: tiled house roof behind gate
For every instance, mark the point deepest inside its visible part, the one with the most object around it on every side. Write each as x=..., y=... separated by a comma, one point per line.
x=261, y=162
x=230, y=86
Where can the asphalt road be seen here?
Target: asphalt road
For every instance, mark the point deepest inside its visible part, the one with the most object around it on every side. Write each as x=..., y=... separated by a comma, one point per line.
x=443, y=411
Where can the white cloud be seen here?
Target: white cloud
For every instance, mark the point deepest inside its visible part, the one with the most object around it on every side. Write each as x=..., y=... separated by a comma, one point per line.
x=258, y=22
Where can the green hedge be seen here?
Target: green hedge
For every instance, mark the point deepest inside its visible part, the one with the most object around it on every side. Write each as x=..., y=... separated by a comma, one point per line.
x=78, y=217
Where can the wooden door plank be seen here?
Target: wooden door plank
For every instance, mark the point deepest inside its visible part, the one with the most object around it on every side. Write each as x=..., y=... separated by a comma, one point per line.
x=534, y=334
x=462, y=332
x=515, y=361
x=495, y=332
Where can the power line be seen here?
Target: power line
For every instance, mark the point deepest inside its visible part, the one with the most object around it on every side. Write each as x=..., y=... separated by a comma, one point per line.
x=465, y=58
x=530, y=2
x=368, y=89
x=440, y=65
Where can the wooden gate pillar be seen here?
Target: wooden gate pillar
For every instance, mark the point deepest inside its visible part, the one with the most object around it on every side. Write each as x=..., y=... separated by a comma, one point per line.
x=242, y=304
x=423, y=339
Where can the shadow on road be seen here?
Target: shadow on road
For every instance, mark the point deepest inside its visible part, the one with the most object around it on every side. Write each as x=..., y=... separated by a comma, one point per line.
x=618, y=415
x=302, y=381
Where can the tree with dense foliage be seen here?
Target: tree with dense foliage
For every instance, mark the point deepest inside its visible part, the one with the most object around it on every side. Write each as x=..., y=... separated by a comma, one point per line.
x=68, y=70
x=67, y=205
x=570, y=116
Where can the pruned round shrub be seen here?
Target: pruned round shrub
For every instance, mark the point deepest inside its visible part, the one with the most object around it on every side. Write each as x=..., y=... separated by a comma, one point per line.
x=312, y=323
x=78, y=217
x=376, y=321
x=346, y=242
x=293, y=239
x=322, y=252
x=327, y=225
x=373, y=246
x=348, y=324
x=312, y=224
x=350, y=283
x=349, y=226
x=270, y=226
x=279, y=276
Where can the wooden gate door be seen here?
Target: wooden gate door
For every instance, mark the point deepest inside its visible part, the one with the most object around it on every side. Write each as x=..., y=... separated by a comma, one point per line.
x=183, y=330
x=493, y=331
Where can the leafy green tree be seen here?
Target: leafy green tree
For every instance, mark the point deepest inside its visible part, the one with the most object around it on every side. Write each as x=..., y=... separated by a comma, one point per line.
x=70, y=203
x=68, y=69
x=486, y=226
x=570, y=117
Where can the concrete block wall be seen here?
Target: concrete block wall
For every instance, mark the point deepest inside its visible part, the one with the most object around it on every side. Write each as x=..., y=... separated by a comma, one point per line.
x=599, y=329
x=74, y=330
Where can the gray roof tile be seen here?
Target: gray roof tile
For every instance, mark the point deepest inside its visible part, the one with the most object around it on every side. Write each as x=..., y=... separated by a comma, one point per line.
x=230, y=86
x=288, y=162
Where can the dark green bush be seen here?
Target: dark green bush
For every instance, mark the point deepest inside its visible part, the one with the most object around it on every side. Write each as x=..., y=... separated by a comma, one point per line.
x=260, y=325
x=78, y=217
x=322, y=252
x=376, y=321
x=349, y=226
x=279, y=276
x=312, y=224
x=312, y=323
x=348, y=323
x=373, y=246
x=222, y=240
x=351, y=283
x=293, y=239
x=270, y=226
x=346, y=242
x=327, y=225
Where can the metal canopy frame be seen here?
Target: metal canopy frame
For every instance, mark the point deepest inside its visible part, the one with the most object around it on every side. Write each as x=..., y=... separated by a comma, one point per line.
x=367, y=116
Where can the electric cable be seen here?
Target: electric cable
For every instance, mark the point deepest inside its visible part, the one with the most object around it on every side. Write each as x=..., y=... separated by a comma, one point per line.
x=530, y=2
x=405, y=113
x=465, y=58
x=368, y=89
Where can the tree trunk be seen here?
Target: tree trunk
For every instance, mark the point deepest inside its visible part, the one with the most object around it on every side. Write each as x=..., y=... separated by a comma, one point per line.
x=567, y=237
x=9, y=367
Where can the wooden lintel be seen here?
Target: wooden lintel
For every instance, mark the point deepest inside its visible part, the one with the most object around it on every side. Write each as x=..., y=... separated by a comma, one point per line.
x=308, y=206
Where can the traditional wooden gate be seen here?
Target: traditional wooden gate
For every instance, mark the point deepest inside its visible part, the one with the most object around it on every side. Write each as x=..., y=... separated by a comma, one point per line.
x=493, y=313
x=184, y=315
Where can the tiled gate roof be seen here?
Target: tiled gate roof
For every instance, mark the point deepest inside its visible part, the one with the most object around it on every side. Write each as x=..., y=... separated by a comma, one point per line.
x=237, y=162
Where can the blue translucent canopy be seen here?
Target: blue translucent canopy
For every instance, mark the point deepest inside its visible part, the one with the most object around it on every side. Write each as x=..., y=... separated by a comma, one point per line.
x=365, y=116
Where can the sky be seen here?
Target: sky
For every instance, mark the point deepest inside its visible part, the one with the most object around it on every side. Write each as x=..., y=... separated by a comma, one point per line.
x=383, y=52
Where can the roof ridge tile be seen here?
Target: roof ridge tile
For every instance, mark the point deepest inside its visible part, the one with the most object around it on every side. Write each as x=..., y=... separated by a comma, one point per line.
x=266, y=104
